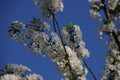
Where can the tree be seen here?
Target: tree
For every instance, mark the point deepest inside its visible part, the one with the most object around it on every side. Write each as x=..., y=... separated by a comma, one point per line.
x=66, y=47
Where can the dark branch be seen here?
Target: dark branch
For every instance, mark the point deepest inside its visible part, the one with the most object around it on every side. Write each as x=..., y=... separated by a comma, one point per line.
x=54, y=23
x=109, y=18
x=89, y=69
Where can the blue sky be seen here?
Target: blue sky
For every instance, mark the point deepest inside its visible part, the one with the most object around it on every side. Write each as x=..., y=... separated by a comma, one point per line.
x=75, y=11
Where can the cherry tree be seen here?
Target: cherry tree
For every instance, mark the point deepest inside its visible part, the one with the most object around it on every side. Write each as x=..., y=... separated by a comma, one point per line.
x=65, y=47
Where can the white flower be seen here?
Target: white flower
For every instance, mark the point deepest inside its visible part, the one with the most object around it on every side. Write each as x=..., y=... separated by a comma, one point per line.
x=21, y=37
x=18, y=25
x=111, y=26
x=30, y=31
x=93, y=1
x=45, y=25
x=66, y=37
x=34, y=77
x=104, y=78
x=75, y=63
x=50, y=6
x=9, y=77
x=13, y=36
x=35, y=50
x=78, y=33
x=56, y=39
x=35, y=2
x=64, y=32
x=28, y=47
x=18, y=69
x=65, y=79
x=94, y=14
x=112, y=4
x=112, y=60
x=106, y=28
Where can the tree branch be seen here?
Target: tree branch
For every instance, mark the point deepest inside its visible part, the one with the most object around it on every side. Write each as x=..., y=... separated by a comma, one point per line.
x=66, y=51
x=54, y=24
x=109, y=18
x=89, y=69
x=66, y=57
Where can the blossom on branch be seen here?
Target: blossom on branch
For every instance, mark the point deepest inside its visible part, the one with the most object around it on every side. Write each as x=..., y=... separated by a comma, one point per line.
x=112, y=4
x=111, y=10
x=48, y=7
x=10, y=77
x=17, y=72
x=69, y=60
x=112, y=68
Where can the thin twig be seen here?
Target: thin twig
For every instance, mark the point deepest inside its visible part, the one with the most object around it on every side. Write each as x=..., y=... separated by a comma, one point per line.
x=54, y=24
x=89, y=69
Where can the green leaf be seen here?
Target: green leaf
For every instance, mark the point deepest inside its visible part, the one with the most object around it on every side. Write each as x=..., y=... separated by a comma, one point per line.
x=7, y=67
x=12, y=26
x=97, y=7
x=105, y=21
x=69, y=27
x=10, y=30
x=118, y=32
x=33, y=21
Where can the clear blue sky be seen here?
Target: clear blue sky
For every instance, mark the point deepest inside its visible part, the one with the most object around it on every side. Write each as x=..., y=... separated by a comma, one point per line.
x=75, y=11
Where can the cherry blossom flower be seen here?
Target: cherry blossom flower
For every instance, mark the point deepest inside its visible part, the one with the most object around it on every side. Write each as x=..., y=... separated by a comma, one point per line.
x=48, y=7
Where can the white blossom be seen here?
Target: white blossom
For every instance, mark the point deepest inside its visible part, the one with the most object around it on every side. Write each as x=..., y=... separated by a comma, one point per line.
x=112, y=4
x=18, y=69
x=93, y=1
x=10, y=77
x=21, y=37
x=106, y=28
x=94, y=14
x=50, y=6
x=35, y=2
x=74, y=61
x=76, y=64
x=30, y=31
x=67, y=55
x=112, y=61
x=33, y=77
x=18, y=25
x=78, y=33
x=12, y=36
x=15, y=72
x=66, y=36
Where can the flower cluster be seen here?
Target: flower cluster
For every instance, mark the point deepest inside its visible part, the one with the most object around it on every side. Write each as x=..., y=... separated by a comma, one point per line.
x=112, y=4
x=67, y=52
x=10, y=77
x=93, y=1
x=94, y=11
x=75, y=49
x=16, y=72
x=106, y=28
x=112, y=68
x=48, y=7
x=76, y=65
x=33, y=77
x=68, y=59
x=18, y=69
x=111, y=9
x=73, y=38
x=94, y=14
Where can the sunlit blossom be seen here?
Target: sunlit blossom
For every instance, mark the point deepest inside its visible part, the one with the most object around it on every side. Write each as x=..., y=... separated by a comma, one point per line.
x=48, y=7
